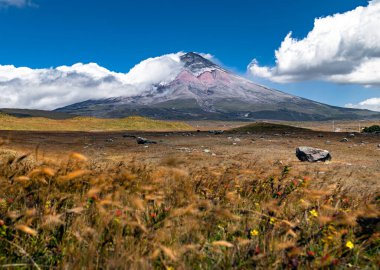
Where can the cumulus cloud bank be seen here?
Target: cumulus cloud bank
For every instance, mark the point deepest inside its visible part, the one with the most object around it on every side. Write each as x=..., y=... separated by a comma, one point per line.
x=23, y=87
x=342, y=48
x=370, y=104
x=16, y=3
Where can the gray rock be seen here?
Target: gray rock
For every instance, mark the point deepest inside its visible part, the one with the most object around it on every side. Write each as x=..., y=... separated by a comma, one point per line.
x=311, y=154
x=344, y=140
x=141, y=140
x=216, y=132
x=351, y=135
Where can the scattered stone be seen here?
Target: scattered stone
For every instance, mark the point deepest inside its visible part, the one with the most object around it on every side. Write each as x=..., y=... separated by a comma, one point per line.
x=237, y=140
x=128, y=136
x=351, y=135
x=184, y=149
x=216, y=132
x=327, y=142
x=109, y=140
x=206, y=151
x=141, y=140
x=311, y=154
x=344, y=140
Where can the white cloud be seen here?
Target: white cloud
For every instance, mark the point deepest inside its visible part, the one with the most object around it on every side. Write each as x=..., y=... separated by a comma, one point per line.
x=24, y=87
x=342, y=48
x=372, y=104
x=15, y=3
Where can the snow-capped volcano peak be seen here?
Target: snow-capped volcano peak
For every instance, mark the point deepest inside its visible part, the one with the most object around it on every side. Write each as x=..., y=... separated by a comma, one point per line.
x=197, y=64
x=190, y=86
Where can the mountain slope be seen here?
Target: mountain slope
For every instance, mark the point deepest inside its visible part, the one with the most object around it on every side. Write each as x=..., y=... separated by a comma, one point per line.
x=204, y=90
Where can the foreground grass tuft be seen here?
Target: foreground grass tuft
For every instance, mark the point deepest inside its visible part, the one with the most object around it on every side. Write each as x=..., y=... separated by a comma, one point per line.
x=78, y=214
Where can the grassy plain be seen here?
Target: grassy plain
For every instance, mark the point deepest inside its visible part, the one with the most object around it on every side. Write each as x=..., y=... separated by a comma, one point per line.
x=193, y=201
x=8, y=122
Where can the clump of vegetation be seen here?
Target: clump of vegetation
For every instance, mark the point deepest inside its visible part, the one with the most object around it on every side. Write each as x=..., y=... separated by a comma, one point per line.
x=80, y=214
x=372, y=129
x=267, y=127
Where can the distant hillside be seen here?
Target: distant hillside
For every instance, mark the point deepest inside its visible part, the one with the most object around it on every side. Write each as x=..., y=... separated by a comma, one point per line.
x=37, y=113
x=8, y=122
x=266, y=127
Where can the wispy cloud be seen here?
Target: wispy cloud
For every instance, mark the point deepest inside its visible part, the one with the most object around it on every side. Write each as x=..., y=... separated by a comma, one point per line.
x=370, y=104
x=16, y=3
x=342, y=48
x=23, y=87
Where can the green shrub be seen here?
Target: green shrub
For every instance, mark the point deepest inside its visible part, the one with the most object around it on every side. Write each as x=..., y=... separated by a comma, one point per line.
x=371, y=129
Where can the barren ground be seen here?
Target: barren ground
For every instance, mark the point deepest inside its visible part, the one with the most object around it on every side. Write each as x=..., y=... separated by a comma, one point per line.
x=354, y=167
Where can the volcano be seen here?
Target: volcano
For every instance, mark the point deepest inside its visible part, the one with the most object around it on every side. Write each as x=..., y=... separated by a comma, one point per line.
x=203, y=90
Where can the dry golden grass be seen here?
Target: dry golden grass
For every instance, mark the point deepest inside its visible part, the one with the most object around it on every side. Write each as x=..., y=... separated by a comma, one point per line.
x=174, y=212
x=193, y=201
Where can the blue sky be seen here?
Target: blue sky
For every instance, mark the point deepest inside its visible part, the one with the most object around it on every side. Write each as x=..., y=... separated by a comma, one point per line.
x=118, y=34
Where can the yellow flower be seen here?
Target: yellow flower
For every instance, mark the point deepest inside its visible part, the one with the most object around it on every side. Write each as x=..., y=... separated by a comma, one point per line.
x=170, y=268
x=350, y=245
x=3, y=204
x=254, y=232
x=314, y=213
x=272, y=221
x=48, y=204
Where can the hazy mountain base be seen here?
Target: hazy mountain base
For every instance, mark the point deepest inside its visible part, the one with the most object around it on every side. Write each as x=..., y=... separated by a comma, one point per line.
x=223, y=109
x=24, y=113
